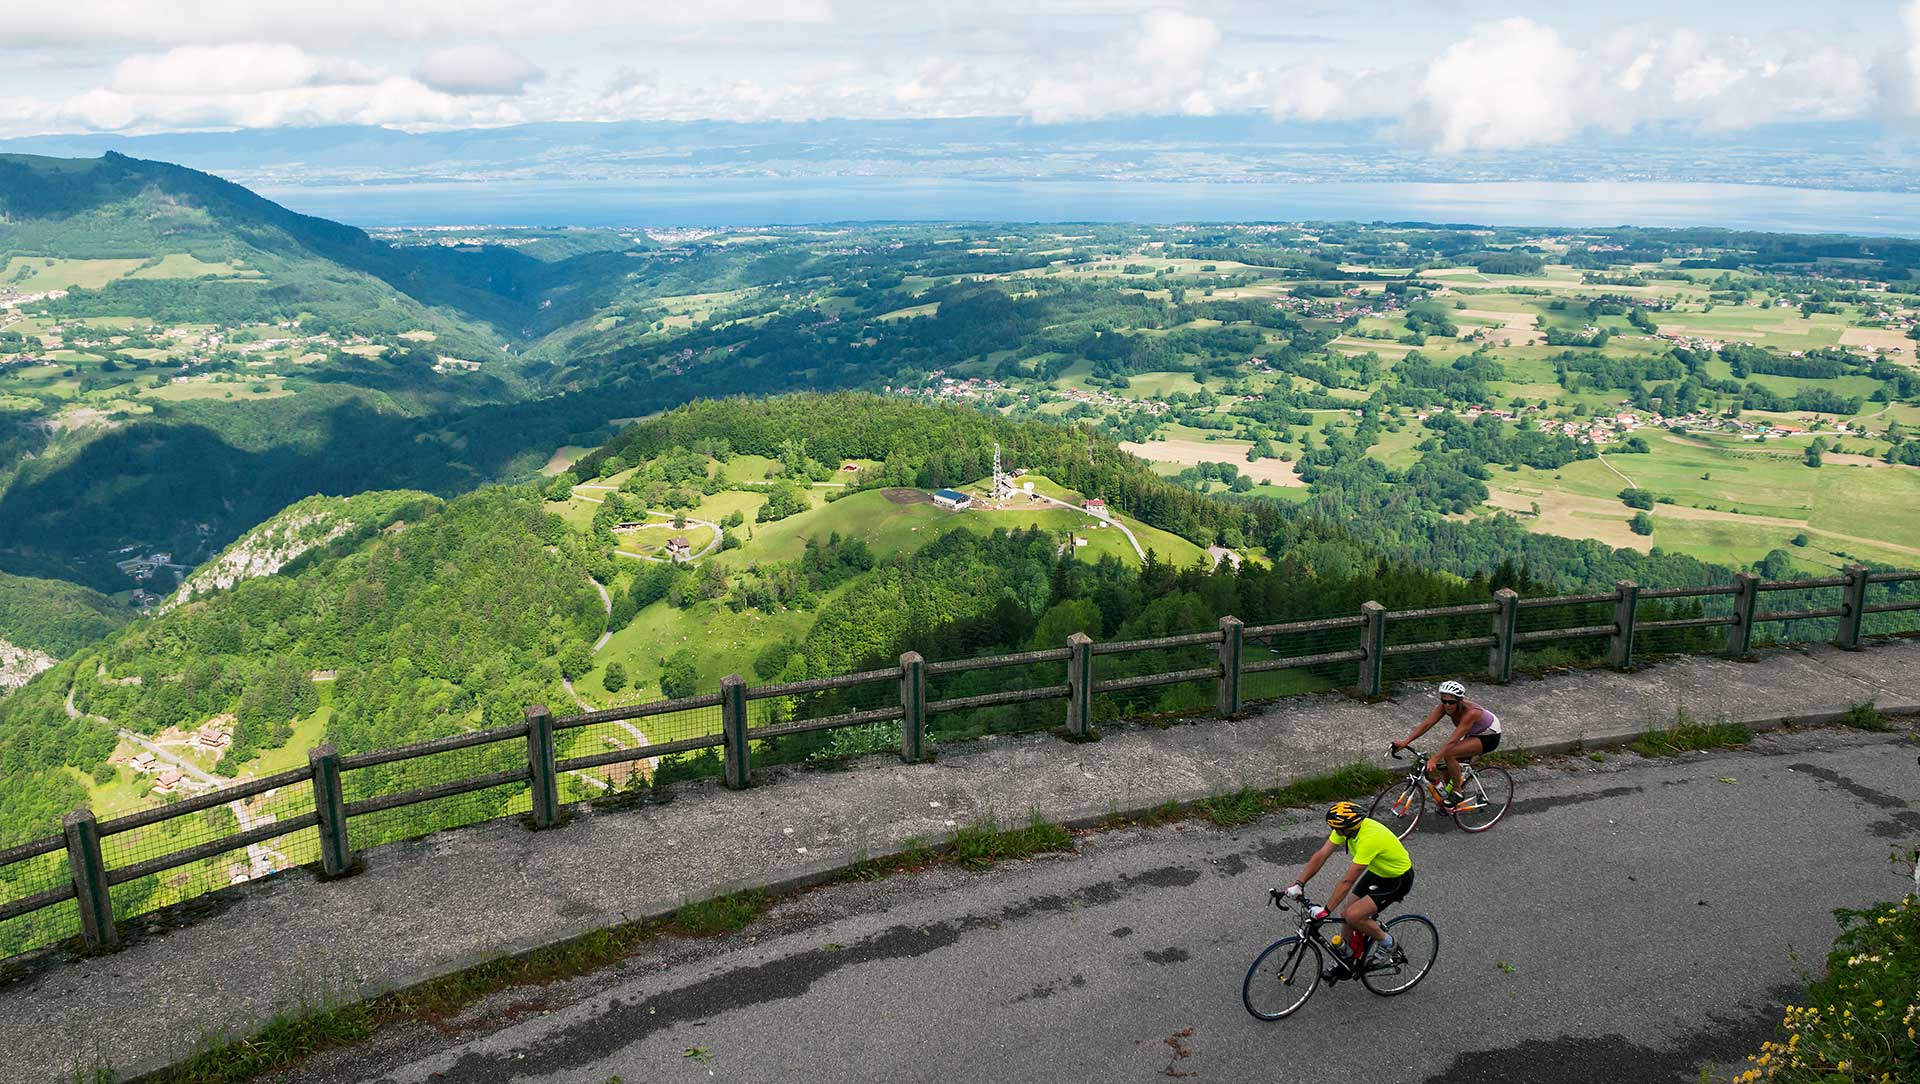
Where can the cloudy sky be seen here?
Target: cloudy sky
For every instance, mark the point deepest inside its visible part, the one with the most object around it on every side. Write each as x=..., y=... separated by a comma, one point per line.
x=1451, y=75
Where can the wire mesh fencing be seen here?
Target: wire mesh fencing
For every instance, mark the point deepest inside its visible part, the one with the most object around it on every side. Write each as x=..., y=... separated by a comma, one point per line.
x=1572, y=631
x=605, y=751
x=1004, y=694
x=595, y=749
x=1799, y=612
x=37, y=872
x=1681, y=621
x=1170, y=676
x=1897, y=589
x=1437, y=642
x=866, y=706
x=406, y=793
x=1326, y=654
x=163, y=856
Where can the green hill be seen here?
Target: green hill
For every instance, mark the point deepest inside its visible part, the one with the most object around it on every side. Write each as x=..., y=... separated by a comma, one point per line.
x=200, y=244
x=55, y=617
x=300, y=533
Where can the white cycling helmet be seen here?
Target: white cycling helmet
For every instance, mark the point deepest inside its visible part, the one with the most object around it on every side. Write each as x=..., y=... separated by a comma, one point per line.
x=1452, y=688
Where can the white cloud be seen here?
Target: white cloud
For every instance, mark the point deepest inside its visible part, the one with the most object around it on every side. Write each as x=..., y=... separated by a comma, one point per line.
x=91, y=23
x=231, y=69
x=1898, y=71
x=477, y=69
x=143, y=65
x=1510, y=84
x=1174, y=40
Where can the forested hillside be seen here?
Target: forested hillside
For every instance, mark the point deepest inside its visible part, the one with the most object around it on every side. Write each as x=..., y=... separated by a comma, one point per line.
x=456, y=620
x=55, y=617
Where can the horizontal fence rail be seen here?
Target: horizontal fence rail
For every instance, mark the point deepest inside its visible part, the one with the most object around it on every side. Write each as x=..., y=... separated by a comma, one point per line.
x=742, y=722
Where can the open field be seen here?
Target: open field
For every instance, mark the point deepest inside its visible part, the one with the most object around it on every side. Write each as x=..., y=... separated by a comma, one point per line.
x=184, y=391
x=1879, y=338
x=34, y=274
x=179, y=265
x=1192, y=452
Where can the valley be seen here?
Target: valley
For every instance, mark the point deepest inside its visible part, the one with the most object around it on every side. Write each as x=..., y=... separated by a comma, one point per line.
x=268, y=481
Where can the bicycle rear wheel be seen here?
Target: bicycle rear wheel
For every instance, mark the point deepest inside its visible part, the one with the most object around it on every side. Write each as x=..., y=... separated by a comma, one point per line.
x=1282, y=978
x=1487, y=796
x=1399, y=806
x=1416, y=944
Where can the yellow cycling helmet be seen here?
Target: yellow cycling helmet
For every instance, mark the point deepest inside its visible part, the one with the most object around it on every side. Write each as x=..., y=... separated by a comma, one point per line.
x=1344, y=817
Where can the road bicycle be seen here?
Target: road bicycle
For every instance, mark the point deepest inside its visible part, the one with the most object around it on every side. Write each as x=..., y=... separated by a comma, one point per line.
x=1287, y=973
x=1486, y=793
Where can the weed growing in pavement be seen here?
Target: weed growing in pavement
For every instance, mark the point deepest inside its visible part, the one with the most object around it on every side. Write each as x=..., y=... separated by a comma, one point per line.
x=721, y=914
x=915, y=856
x=1232, y=810
x=1508, y=758
x=1688, y=734
x=1866, y=717
x=1351, y=781
x=977, y=846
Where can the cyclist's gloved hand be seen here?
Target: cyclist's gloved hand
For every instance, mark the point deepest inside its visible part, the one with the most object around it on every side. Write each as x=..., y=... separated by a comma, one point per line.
x=1319, y=912
x=1294, y=891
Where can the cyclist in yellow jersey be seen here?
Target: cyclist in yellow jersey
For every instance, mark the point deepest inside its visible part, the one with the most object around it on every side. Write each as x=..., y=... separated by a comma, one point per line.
x=1381, y=875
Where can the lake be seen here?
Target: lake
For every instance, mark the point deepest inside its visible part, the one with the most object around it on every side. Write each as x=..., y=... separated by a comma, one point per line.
x=772, y=201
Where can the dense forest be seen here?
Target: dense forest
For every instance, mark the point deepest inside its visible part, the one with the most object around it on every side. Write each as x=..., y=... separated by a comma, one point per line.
x=53, y=616
x=456, y=620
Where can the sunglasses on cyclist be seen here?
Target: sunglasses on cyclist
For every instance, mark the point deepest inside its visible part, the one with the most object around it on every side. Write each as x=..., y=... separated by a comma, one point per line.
x=1449, y=700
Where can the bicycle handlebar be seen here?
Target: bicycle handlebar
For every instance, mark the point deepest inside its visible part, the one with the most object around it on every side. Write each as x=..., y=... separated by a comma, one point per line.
x=1280, y=899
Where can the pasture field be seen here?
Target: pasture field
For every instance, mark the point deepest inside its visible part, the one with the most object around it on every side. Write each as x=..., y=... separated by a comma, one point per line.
x=36, y=274
x=180, y=265
x=185, y=391
x=562, y=458
x=1192, y=452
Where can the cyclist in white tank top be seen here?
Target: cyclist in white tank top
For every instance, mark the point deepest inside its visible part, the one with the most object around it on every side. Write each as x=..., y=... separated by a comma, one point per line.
x=1475, y=731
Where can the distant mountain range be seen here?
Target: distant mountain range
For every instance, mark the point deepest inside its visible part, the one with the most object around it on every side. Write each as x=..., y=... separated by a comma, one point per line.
x=1243, y=148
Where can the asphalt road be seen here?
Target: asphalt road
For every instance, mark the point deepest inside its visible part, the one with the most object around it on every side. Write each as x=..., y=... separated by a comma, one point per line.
x=1629, y=921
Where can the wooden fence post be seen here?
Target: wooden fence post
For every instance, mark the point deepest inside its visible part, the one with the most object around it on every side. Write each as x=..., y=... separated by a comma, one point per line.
x=1746, y=603
x=89, y=879
x=1373, y=644
x=913, y=706
x=1226, y=697
x=733, y=723
x=1854, y=598
x=543, y=771
x=329, y=804
x=1626, y=601
x=1080, y=686
x=1500, y=655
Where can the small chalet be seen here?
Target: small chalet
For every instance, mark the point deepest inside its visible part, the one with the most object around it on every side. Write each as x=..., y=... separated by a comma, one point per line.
x=168, y=782
x=1096, y=505
x=678, y=548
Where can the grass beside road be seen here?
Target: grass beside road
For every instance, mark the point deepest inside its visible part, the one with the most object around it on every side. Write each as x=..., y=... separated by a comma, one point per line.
x=1688, y=735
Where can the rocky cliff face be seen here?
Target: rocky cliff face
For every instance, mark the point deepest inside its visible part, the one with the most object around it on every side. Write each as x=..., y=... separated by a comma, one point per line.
x=19, y=664
x=302, y=526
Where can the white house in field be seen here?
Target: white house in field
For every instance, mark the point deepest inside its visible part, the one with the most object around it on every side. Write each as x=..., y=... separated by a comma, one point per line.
x=952, y=499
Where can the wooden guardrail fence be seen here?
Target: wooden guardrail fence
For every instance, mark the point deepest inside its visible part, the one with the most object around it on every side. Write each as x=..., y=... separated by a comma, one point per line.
x=90, y=877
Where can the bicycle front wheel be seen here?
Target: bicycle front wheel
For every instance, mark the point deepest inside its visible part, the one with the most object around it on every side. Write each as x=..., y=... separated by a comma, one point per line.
x=1399, y=806
x=1488, y=795
x=1416, y=944
x=1282, y=978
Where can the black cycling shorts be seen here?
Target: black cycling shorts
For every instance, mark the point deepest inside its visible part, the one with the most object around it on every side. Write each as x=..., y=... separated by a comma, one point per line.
x=1384, y=891
x=1489, y=740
